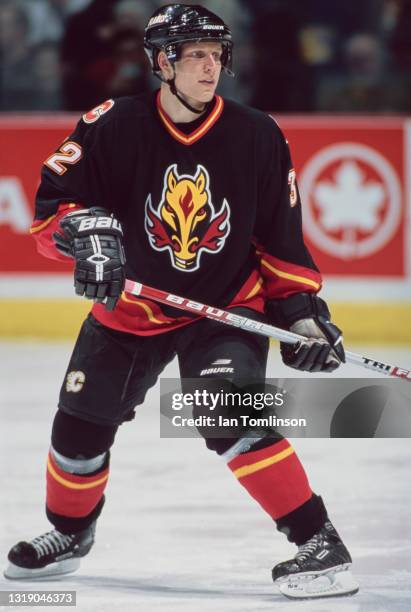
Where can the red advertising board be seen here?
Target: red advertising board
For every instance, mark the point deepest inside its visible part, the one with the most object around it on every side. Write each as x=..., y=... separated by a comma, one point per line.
x=351, y=176
x=26, y=143
x=350, y=172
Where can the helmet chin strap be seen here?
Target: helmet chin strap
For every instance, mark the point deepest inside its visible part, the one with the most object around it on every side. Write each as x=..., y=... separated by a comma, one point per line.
x=173, y=88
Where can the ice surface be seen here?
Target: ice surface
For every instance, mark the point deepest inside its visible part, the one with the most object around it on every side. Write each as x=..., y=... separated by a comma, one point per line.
x=178, y=533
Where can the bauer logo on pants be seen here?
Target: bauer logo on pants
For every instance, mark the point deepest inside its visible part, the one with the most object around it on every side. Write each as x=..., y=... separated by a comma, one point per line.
x=75, y=381
x=185, y=222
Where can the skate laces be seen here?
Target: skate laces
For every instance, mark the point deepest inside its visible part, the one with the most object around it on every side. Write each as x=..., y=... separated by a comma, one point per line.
x=51, y=542
x=307, y=549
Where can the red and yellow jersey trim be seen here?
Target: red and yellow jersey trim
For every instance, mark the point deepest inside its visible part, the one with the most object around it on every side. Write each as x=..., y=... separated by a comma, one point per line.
x=304, y=280
x=256, y=289
x=251, y=293
x=40, y=224
x=42, y=231
x=283, y=278
x=189, y=139
x=146, y=308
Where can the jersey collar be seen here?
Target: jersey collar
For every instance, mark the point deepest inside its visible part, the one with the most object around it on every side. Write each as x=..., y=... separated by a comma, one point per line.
x=189, y=139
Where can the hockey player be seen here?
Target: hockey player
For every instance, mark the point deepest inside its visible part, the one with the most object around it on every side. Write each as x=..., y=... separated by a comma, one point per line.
x=197, y=195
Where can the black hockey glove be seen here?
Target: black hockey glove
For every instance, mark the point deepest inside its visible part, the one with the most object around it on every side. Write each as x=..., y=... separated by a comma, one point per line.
x=308, y=315
x=94, y=239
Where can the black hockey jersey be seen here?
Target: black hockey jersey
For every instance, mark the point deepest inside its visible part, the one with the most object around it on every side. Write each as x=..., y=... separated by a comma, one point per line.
x=210, y=209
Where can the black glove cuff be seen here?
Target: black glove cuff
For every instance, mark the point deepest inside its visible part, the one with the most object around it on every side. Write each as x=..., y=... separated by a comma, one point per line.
x=63, y=245
x=283, y=313
x=93, y=211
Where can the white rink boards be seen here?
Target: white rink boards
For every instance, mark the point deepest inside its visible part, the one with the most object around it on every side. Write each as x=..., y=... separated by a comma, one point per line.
x=178, y=533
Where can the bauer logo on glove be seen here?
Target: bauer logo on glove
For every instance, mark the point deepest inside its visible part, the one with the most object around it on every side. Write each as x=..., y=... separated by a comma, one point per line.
x=94, y=239
x=96, y=223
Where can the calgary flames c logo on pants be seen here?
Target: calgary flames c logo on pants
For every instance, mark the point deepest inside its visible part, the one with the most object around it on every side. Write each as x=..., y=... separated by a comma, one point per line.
x=185, y=222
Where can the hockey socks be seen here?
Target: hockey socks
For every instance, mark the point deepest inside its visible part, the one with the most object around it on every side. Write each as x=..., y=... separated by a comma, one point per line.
x=274, y=476
x=74, y=500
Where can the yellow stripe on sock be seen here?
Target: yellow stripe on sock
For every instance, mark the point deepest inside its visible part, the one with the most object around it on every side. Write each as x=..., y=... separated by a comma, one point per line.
x=74, y=485
x=246, y=470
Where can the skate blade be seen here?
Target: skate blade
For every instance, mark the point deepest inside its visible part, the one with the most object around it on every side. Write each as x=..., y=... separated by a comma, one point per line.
x=326, y=584
x=67, y=566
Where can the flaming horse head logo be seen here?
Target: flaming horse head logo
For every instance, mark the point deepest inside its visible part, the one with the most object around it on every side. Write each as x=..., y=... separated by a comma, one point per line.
x=185, y=222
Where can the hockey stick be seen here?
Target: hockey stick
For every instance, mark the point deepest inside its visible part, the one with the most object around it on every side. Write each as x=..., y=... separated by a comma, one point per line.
x=224, y=316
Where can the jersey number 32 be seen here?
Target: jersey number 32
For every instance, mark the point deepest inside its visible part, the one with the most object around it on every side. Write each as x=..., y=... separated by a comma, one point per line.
x=69, y=153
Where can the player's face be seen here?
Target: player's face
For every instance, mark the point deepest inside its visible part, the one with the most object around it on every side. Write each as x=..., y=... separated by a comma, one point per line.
x=198, y=70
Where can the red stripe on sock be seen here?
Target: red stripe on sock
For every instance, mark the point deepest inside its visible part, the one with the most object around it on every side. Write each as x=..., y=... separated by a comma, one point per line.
x=274, y=476
x=72, y=495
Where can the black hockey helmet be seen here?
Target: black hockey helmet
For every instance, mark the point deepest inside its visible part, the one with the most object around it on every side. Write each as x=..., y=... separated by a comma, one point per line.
x=174, y=24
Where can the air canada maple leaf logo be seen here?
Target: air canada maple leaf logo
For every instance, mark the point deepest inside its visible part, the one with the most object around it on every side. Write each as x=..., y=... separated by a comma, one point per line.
x=352, y=200
x=185, y=222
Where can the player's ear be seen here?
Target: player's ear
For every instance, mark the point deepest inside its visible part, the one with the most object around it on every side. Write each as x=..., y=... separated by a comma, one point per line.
x=166, y=67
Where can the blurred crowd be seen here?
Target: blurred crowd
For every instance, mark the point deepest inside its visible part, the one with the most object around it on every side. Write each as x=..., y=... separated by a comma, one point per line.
x=290, y=56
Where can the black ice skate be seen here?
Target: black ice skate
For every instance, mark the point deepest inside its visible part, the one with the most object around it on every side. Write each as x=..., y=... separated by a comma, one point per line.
x=319, y=569
x=50, y=554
